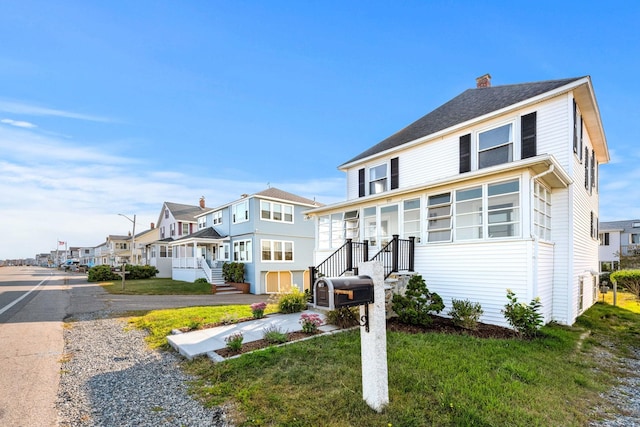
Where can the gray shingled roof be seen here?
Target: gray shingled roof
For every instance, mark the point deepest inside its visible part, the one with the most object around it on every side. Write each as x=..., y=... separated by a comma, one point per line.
x=184, y=212
x=468, y=105
x=205, y=233
x=276, y=193
x=625, y=225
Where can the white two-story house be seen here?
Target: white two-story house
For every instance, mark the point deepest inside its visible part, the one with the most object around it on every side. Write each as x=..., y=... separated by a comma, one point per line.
x=498, y=188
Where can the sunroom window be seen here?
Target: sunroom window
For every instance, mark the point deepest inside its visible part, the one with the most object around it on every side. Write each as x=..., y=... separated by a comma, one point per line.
x=469, y=213
x=504, y=209
x=495, y=146
x=439, y=218
x=411, y=211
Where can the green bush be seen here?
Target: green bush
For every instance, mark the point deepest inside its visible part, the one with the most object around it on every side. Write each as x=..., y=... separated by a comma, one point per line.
x=273, y=335
x=344, y=317
x=234, y=341
x=139, y=272
x=200, y=281
x=465, y=313
x=293, y=302
x=629, y=279
x=525, y=319
x=101, y=273
x=416, y=305
x=233, y=272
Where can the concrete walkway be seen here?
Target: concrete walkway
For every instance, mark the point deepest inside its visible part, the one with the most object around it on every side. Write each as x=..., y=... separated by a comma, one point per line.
x=207, y=341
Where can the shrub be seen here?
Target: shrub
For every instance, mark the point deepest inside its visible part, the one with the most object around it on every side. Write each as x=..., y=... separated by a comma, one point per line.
x=200, y=281
x=233, y=272
x=629, y=279
x=310, y=322
x=293, y=302
x=139, y=272
x=234, y=341
x=229, y=319
x=415, y=306
x=273, y=335
x=344, y=317
x=257, y=309
x=525, y=319
x=465, y=313
x=101, y=273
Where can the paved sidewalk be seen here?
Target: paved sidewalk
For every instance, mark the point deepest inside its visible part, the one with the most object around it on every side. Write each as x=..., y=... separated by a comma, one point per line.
x=207, y=341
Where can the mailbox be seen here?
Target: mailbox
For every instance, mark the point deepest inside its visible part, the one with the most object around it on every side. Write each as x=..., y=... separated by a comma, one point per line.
x=338, y=292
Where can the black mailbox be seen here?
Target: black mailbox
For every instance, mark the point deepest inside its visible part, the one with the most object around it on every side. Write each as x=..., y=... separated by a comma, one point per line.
x=338, y=292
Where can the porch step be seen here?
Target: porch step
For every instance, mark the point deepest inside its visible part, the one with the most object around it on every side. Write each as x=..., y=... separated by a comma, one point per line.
x=226, y=289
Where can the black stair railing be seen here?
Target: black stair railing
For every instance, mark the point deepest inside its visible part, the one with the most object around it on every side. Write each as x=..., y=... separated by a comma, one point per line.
x=397, y=255
x=346, y=258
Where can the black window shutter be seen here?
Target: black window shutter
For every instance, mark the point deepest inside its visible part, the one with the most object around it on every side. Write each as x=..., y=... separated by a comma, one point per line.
x=575, y=129
x=361, y=183
x=586, y=168
x=465, y=153
x=593, y=168
x=395, y=173
x=528, y=135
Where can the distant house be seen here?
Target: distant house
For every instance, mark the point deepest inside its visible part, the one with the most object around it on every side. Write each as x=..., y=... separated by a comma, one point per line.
x=497, y=188
x=266, y=231
x=175, y=221
x=618, y=238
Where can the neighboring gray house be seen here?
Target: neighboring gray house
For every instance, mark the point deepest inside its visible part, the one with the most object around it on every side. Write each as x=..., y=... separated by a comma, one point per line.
x=618, y=238
x=267, y=231
x=497, y=187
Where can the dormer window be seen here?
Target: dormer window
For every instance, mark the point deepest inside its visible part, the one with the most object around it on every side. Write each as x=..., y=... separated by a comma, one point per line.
x=378, y=179
x=495, y=146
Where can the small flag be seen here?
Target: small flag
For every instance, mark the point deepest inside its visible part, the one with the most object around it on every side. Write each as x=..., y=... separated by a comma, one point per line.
x=60, y=243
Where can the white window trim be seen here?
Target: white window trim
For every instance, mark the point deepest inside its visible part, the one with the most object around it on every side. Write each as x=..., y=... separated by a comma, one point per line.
x=282, y=212
x=272, y=252
x=248, y=252
x=515, y=148
x=246, y=212
x=386, y=178
x=216, y=218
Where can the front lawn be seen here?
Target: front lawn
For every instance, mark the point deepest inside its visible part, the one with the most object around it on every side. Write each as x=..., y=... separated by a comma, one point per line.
x=434, y=379
x=156, y=286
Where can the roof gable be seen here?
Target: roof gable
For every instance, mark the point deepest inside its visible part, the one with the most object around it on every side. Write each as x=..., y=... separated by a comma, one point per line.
x=469, y=105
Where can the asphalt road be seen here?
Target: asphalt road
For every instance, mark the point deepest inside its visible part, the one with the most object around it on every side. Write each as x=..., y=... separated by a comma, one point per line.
x=34, y=302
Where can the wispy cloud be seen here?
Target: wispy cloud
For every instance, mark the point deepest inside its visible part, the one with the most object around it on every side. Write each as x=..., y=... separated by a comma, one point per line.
x=15, y=107
x=18, y=123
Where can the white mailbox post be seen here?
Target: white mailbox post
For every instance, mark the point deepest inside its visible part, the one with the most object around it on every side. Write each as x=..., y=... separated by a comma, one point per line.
x=373, y=343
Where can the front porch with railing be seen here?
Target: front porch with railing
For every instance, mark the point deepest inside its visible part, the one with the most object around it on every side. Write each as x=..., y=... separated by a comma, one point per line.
x=397, y=256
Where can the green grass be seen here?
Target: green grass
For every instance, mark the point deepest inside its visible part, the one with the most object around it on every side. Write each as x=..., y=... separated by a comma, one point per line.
x=159, y=323
x=434, y=379
x=156, y=287
x=625, y=300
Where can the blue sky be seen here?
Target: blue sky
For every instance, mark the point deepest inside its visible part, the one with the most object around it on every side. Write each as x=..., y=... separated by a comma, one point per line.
x=115, y=107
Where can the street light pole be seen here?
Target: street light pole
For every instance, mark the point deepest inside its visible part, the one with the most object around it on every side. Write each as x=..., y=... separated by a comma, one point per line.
x=133, y=238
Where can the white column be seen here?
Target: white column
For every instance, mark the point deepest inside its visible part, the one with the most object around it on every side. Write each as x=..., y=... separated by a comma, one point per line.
x=195, y=255
x=373, y=344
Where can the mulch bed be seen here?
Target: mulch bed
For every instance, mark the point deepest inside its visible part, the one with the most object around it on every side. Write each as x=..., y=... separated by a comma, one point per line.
x=438, y=325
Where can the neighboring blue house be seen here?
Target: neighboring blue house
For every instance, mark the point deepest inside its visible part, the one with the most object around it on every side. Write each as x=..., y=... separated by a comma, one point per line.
x=267, y=231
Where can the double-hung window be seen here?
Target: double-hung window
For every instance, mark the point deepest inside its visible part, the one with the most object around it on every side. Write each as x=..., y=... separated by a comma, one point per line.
x=242, y=251
x=271, y=211
x=439, y=218
x=240, y=212
x=495, y=146
x=276, y=250
x=352, y=225
x=378, y=179
x=217, y=218
x=202, y=222
x=185, y=228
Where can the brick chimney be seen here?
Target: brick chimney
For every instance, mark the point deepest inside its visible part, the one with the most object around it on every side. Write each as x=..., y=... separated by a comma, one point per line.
x=202, y=202
x=153, y=226
x=483, y=81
